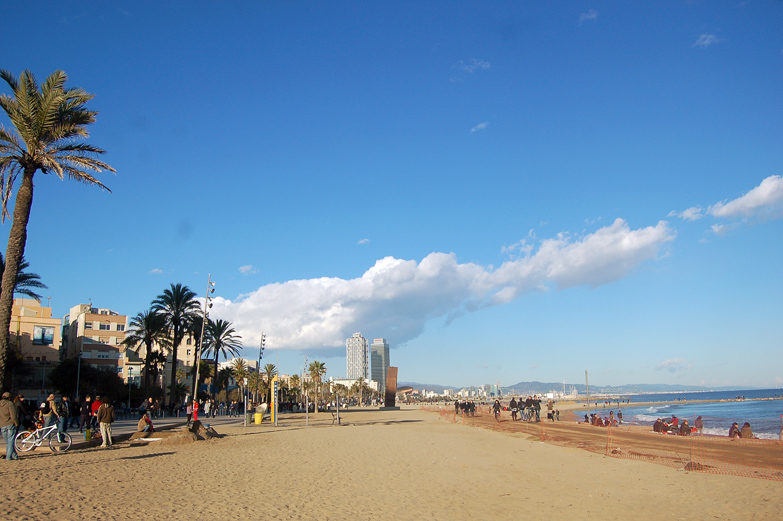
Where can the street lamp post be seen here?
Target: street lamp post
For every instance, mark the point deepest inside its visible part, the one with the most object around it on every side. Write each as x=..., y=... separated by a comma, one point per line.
x=258, y=369
x=197, y=354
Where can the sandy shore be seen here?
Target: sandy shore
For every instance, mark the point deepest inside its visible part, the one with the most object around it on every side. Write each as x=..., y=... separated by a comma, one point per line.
x=406, y=464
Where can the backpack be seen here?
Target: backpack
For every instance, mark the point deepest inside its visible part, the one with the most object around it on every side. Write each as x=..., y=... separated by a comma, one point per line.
x=61, y=408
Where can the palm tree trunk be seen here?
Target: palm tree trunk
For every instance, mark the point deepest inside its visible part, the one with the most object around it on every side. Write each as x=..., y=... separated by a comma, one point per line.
x=13, y=255
x=215, y=378
x=147, y=370
x=173, y=378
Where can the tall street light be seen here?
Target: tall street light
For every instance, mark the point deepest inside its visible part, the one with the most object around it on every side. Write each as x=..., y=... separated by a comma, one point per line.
x=197, y=354
x=258, y=369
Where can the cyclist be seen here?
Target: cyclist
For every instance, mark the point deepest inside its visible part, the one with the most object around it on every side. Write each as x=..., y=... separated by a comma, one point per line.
x=496, y=409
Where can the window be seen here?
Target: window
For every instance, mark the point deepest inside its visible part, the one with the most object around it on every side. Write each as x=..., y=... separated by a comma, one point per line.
x=105, y=327
x=43, y=336
x=88, y=325
x=120, y=327
x=188, y=352
x=189, y=342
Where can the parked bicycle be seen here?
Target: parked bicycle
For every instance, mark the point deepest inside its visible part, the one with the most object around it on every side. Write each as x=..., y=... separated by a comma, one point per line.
x=28, y=440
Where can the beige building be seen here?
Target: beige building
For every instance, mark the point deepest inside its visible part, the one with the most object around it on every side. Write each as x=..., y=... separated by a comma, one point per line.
x=36, y=337
x=97, y=333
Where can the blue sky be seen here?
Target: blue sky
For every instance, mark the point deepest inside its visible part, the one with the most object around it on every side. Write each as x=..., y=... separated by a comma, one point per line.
x=521, y=191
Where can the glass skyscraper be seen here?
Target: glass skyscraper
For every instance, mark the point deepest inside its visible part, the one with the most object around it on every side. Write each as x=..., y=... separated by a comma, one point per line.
x=379, y=356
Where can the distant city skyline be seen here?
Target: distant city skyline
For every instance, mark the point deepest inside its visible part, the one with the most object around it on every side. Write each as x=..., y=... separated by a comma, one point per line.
x=504, y=192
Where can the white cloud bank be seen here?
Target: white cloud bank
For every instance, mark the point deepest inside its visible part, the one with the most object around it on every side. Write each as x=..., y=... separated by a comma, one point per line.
x=398, y=297
x=763, y=202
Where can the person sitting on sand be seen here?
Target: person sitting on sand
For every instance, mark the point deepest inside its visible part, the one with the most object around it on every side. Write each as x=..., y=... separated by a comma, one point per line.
x=746, y=432
x=145, y=424
x=734, y=431
x=685, y=429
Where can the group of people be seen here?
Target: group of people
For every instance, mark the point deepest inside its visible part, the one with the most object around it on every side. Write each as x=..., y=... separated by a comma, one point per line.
x=465, y=407
x=530, y=408
x=610, y=421
x=62, y=413
x=674, y=426
x=745, y=432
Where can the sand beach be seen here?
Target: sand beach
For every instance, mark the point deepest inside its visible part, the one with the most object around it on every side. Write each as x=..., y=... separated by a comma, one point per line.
x=408, y=464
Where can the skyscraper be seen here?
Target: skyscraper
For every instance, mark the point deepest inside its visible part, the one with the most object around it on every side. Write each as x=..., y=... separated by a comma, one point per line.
x=357, y=357
x=380, y=362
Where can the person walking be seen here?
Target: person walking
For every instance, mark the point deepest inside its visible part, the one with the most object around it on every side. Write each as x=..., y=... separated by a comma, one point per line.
x=63, y=411
x=85, y=411
x=9, y=424
x=48, y=416
x=96, y=404
x=189, y=411
x=74, y=413
x=105, y=417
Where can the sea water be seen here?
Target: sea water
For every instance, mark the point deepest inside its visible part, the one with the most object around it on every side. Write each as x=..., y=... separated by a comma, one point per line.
x=765, y=416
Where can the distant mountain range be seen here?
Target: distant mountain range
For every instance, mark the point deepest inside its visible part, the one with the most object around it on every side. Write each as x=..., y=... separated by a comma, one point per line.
x=545, y=387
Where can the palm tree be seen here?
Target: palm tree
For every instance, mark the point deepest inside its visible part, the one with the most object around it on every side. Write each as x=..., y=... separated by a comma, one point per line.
x=239, y=372
x=223, y=377
x=317, y=371
x=178, y=306
x=294, y=382
x=49, y=122
x=220, y=337
x=270, y=371
x=147, y=329
x=25, y=282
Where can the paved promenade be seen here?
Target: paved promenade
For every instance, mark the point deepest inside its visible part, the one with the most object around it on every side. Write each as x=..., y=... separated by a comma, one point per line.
x=128, y=427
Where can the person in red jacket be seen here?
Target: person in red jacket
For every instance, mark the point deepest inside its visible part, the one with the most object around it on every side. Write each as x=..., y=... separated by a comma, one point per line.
x=96, y=404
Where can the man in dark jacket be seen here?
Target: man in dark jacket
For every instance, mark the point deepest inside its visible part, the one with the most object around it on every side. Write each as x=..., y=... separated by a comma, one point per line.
x=85, y=411
x=9, y=423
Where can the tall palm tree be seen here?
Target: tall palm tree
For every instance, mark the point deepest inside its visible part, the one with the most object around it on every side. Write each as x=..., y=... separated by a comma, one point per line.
x=178, y=306
x=147, y=329
x=270, y=371
x=223, y=378
x=294, y=382
x=317, y=371
x=48, y=124
x=239, y=372
x=25, y=282
x=221, y=338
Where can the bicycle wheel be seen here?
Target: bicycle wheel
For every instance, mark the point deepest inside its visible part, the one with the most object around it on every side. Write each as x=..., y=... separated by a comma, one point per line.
x=25, y=441
x=62, y=444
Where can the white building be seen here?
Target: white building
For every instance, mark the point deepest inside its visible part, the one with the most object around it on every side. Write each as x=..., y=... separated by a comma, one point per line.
x=357, y=357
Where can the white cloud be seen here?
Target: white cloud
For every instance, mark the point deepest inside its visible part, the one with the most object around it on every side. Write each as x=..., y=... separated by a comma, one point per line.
x=766, y=200
x=693, y=213
x=156, y=271
x=705, y=40
x=480, y=126
x=590, y=16
x=247, y=269
x=398, y=297
x=472, y=65
x=363, y=241
x=674, y=365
